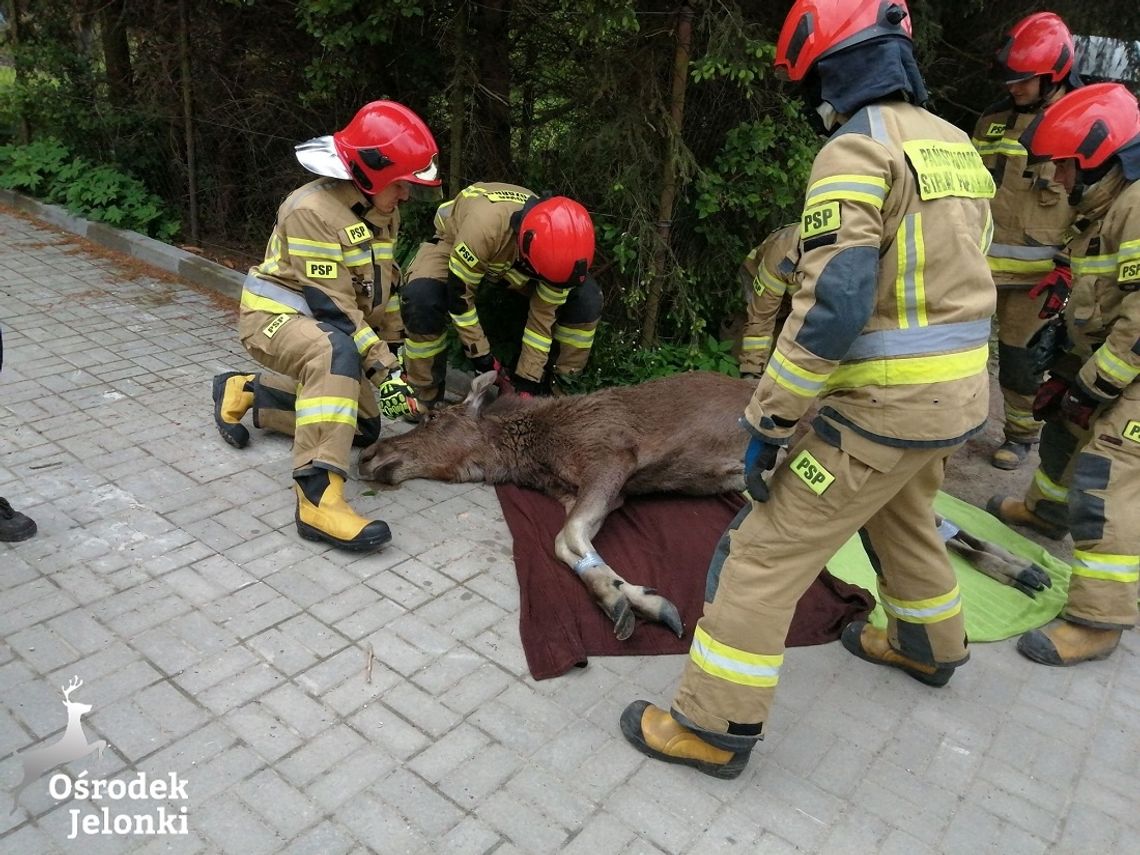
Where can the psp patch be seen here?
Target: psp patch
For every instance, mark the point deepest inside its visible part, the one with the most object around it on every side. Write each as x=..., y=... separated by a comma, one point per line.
x=357, y=233
x=465, y=253
x=1131, y=431
x=820, y=220
x=274, y=325
x=320, y=269
x=811, y=472
x=1129, y=274
x=996, y=129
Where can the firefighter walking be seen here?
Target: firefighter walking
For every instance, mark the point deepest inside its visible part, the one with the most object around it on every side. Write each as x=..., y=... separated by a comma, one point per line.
x=1088, y=483
x=316, y=310
x=890, y=331
x=769, y=283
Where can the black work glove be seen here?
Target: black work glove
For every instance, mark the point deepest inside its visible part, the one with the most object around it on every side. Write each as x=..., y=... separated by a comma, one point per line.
x=759, y=457
x=526, y=388
x=1047, y=401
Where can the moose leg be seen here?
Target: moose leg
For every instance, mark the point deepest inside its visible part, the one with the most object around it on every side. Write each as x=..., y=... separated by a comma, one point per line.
x=585, y=513
x=994, y=561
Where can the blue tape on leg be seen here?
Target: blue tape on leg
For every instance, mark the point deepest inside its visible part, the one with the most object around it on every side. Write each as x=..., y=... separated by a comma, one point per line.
x=590, y=559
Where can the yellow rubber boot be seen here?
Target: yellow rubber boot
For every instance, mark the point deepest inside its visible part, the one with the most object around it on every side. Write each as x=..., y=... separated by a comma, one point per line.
x=872, y=645
x=323, y=514
x=233, y=398
x=655, y=733
x=1064, y=643
x=1014, y=511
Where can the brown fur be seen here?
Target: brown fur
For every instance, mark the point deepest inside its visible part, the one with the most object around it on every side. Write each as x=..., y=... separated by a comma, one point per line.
x=676, y=434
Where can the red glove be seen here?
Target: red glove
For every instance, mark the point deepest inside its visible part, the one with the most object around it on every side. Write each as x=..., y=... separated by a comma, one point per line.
x=1058, y=282
x=1078, y=406
x=1047, y=401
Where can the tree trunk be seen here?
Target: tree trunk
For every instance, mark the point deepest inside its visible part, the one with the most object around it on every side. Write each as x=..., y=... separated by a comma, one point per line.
x=116, y=53
x=15, y=31
x=188, y=117
x=493, y=88
x=457, y=103
x=669, y=180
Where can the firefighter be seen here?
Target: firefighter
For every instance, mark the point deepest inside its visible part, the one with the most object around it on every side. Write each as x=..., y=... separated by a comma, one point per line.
x=890, y=331
x=1088, y=482
x=1031, y=213
x=316, y=310
x=768, y=281
x=541, y=247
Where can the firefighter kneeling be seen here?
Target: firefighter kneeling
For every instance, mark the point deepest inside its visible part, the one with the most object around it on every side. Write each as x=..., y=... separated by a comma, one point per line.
x=316, y=310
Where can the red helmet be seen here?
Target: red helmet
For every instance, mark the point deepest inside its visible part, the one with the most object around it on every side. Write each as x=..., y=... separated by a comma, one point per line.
x=1038, y=45
x=816, y=28
x=1090, y=124
x=384, y=142
x=556, y=240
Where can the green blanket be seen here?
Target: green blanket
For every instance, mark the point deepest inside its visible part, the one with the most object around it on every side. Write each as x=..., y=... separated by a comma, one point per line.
x=993, y=611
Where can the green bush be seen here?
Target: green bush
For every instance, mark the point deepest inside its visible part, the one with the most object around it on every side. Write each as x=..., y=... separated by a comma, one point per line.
x=47, y=170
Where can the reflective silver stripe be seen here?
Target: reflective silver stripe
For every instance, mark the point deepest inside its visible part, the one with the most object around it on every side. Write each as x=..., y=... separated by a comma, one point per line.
x=916, y=341
x=276, y=293
x=912, y=266
x=878, y=127
x=1022, y=253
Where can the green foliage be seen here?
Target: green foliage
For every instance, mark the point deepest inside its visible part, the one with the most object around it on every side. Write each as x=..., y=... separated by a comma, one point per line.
x=618, y=360
x=47, y=170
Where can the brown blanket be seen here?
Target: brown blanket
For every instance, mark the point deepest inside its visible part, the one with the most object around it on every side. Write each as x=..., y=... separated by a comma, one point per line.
x=663, y=542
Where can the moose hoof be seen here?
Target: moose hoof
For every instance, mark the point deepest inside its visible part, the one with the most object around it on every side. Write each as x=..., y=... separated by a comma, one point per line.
x=623, y=618
x=671, y=618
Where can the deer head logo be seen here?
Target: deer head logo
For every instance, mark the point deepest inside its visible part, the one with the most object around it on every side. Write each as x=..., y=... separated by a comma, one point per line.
x=73, y=745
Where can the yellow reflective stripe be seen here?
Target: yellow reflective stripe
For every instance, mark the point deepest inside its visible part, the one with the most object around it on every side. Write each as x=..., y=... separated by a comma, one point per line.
x=536, y=340
x=798, y=381
x=764, y=279
x=1106, y=566
x=326, y=409
x=733, y=664
x=314, y=249
x=910, y=283
x=382, y=250
x=554, y=296
x=1049, y=488
x=1094, y=265
x=907, y=371
x=848, y=188
x=987, y=233
x=574, y=337
x=1018, y=265
x=365, y=338
x=357, y=256
x=1022, y=419
x=517, y=278
x=756, y=342
x=442, y=213
x=393, y=304
x=469, y=276
x=467, y=319
x=1111, y=365
x=264, y=304
x=1009, y=148
x=424, y=349
x=930, y=610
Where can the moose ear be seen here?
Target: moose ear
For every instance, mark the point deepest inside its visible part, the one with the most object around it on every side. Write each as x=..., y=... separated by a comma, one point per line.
x=480, y=393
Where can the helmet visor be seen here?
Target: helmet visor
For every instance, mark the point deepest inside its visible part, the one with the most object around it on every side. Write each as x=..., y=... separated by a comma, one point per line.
x=319, y=156
x=429, y=174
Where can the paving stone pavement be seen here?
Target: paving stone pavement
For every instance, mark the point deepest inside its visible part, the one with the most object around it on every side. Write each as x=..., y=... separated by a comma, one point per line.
x=218, y=648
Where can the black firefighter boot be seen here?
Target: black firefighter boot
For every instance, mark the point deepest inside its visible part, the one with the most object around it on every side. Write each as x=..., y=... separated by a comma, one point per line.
x=233, y=396
x=323, y=514
x=657, y=734
x=872, y=645
x=14, y=526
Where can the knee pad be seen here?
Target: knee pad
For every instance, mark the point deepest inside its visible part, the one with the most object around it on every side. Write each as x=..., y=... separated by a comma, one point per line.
x=1016, y=370
x=583, y=306
x=423, y=305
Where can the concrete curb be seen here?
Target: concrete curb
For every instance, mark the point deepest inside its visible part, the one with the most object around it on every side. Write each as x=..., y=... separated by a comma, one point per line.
x=193, y=268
